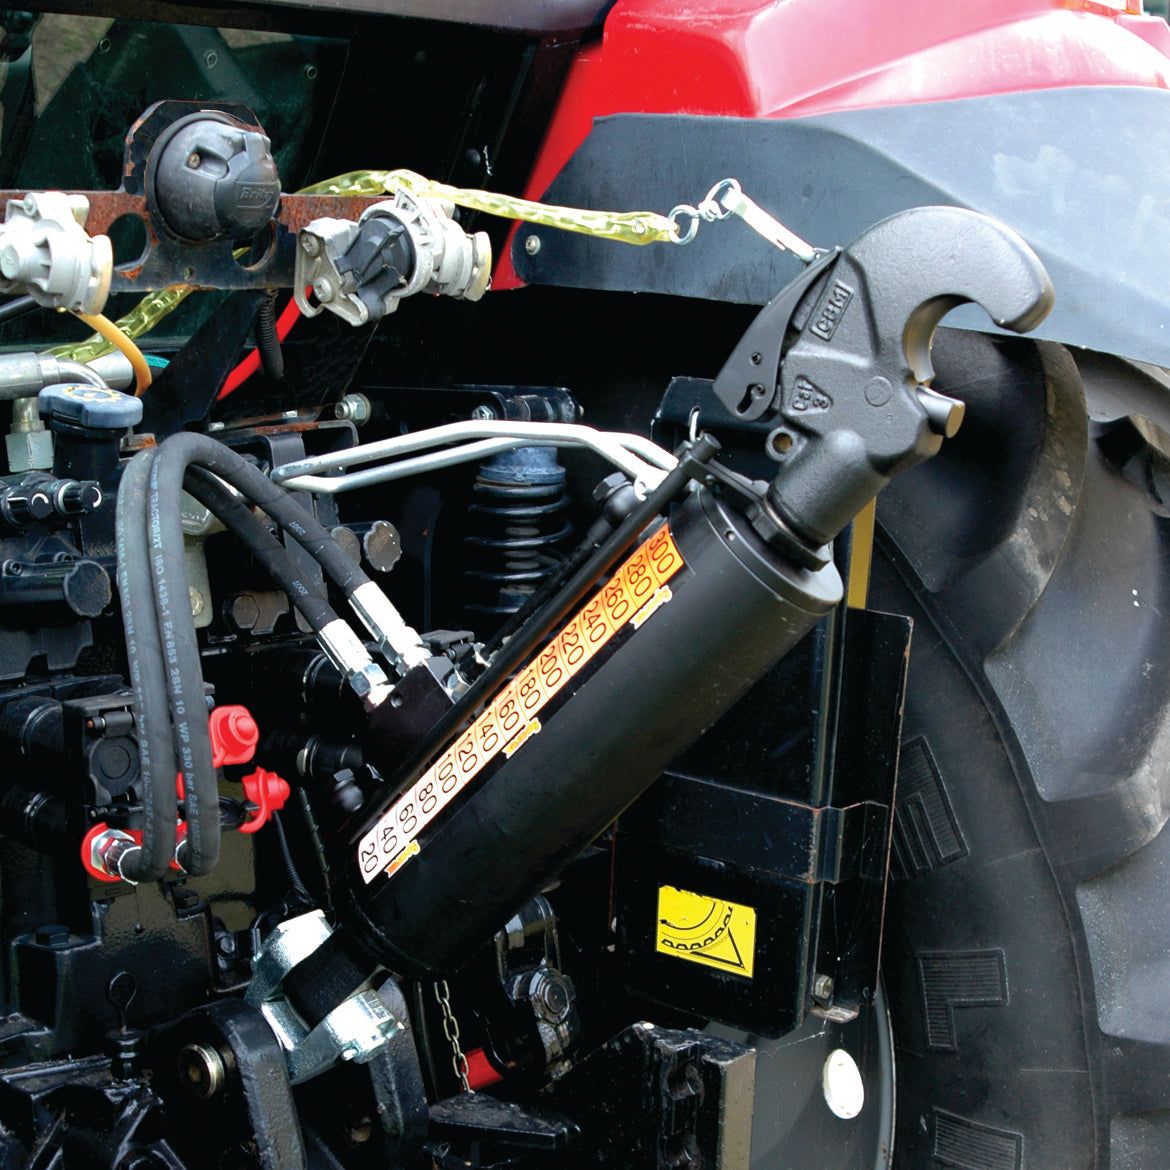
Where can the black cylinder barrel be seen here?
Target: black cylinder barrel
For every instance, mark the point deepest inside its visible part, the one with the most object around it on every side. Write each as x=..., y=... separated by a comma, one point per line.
x=698, y=613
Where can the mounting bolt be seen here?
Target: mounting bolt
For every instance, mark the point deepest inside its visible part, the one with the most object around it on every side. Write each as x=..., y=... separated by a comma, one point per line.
x=353, y=407
x=822, y=988
x=310, y=244
x=243, y=612
x=550, y=998
x=323, y=289
x=201, y=1069
x=54, y=936
x=194, y=159
x=532, y=245
x=483, y=414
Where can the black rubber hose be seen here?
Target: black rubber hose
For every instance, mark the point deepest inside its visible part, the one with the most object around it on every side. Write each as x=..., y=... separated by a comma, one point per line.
x=251, y=531
x=184, y=679
x=152, y=718
x=184, y=671
x=267, y=342
x=181, y=451
x=17, y=307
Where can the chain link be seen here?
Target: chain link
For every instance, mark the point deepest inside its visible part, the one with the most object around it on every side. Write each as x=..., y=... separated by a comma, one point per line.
x=727, y=198
x=451, y=1031
x=624, y=227
x=627, y=227
x=709, y=210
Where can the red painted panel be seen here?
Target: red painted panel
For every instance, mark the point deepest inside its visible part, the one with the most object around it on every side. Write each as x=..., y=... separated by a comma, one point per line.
x=745, y=58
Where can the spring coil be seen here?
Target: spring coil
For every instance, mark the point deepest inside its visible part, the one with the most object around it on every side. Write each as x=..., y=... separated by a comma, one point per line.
x=520, y=526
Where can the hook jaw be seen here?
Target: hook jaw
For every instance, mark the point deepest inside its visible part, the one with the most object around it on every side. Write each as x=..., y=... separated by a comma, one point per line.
x=841, y=357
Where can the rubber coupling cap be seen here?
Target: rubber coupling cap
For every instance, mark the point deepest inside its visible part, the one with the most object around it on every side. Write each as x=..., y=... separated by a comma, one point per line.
x=269, y=793
x=234, y=735
x=87, y=407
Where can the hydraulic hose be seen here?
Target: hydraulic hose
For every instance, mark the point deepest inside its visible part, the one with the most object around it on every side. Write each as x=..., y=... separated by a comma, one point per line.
x=144, y=656
x=183, y=450
x=17, y=307
x=165, y=654
x=173, y=460
x=184, y=673
x=268, y=551
x=150, y=568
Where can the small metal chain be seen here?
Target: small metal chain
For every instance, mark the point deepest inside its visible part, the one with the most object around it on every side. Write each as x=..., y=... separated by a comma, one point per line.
x=710, y=210
x=451, y=1031
x=727, y=198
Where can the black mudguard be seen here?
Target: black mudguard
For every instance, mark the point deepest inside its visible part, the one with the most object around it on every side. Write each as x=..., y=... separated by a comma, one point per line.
x=1080, y=172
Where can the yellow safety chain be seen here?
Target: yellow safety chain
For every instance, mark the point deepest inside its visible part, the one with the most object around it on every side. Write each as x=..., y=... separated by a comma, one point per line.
x=625, y=227
x=141, y=319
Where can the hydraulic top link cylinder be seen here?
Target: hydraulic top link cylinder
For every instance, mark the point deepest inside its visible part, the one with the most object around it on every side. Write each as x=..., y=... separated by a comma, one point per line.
x=701, y=610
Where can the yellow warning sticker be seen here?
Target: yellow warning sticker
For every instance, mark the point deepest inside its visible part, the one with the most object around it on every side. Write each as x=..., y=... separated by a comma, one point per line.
x=706, y=930
x=637, y=590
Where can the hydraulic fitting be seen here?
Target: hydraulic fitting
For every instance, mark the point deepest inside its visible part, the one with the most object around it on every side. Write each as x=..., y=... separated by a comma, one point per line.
x=366, y=678
x=46, y=252
x=399, y=247
x=104, y=852
x=39, y=498
x=74, y=497
x=64, y=588
x=399, y=642
x=28, y=444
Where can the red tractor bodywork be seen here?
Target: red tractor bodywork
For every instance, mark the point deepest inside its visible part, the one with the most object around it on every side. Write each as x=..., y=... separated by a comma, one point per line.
x=747, y=59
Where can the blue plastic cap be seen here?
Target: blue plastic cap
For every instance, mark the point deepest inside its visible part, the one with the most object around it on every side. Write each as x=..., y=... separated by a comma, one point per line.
x=89, y=406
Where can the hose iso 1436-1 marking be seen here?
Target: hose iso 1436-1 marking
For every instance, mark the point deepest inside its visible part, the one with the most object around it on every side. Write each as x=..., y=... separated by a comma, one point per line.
x=632, y=595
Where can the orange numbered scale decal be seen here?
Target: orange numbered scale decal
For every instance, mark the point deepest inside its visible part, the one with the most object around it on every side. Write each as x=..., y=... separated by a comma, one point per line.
x=630, y=597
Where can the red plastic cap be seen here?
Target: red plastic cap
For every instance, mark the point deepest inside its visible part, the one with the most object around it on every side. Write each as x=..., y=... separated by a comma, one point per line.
x=480, y=1071
x=234, y=735
x=269, y=793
